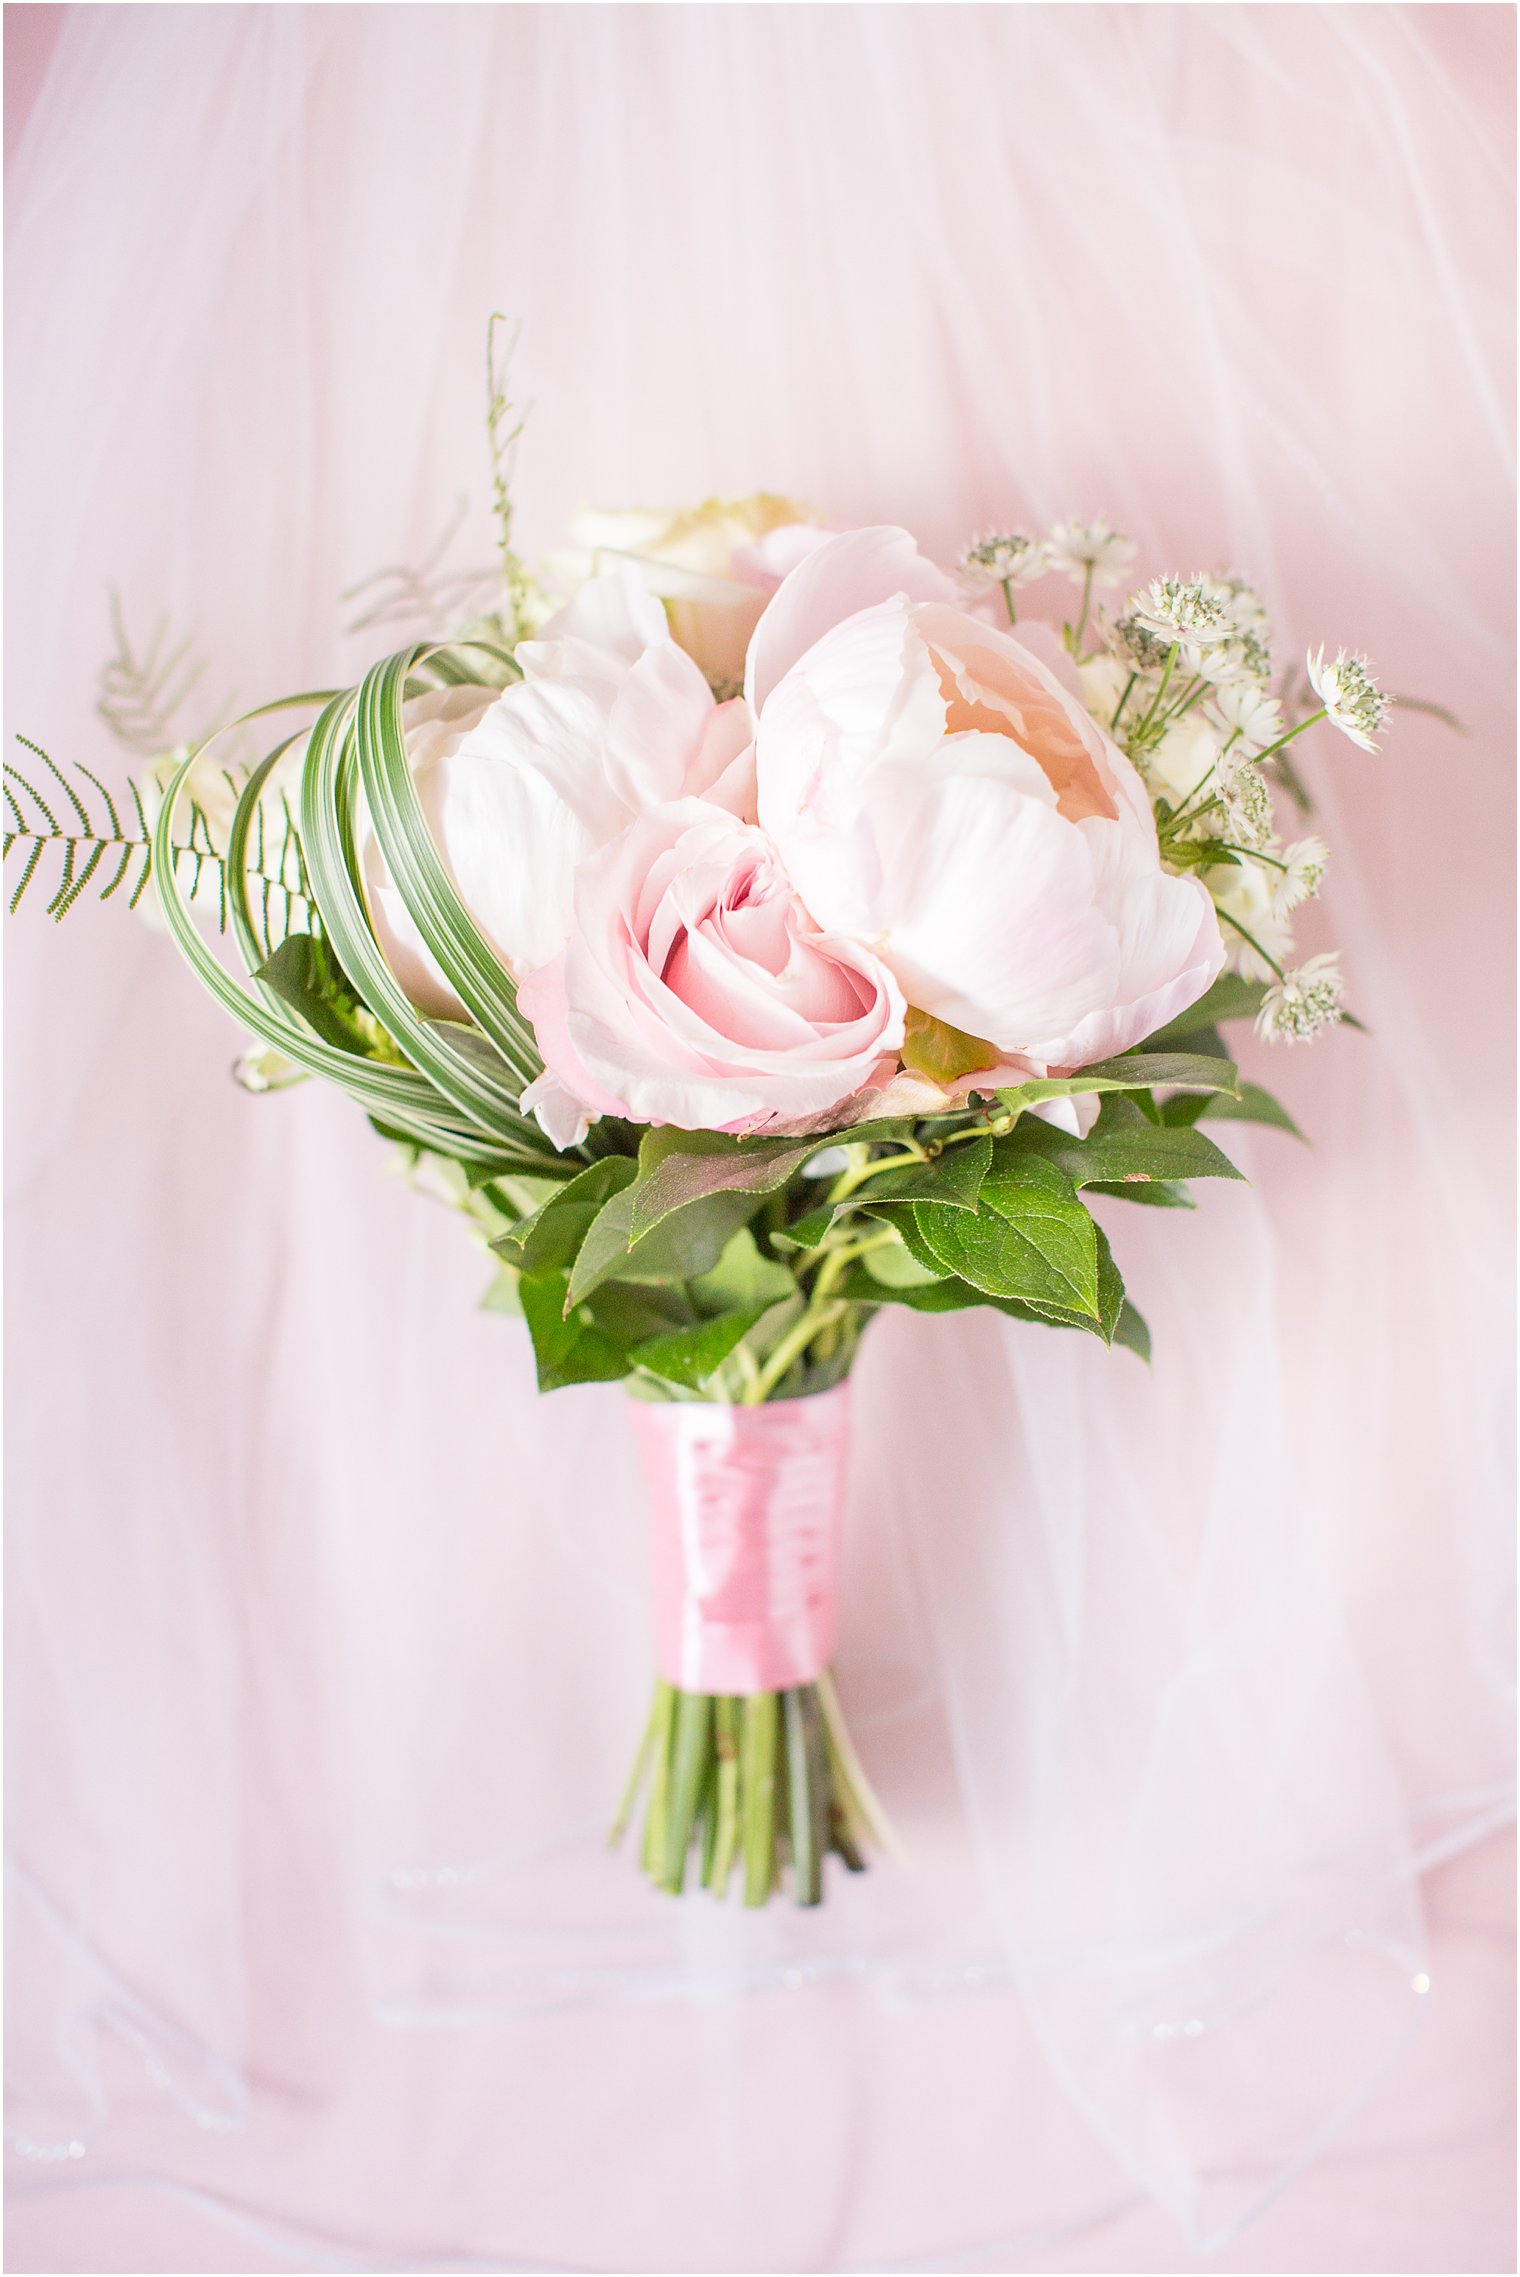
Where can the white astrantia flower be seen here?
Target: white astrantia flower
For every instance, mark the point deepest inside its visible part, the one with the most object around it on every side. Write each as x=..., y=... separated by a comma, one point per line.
x=1138, y=645
x=1242, y=603
x=1249, y=713
x=1246, y=805
x=1304, y=866
x=1303, y=1002
x=1238, y=661
x=1352, y=699
x=1177, y=609
x=1010, y=559
x=1090, y=549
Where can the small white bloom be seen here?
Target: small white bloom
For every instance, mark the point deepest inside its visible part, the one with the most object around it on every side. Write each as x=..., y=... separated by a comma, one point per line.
x=1139, y=646
x=1239, y=661
x=1242, y=603
x=1303, y=1002
x=1247, y=805
x=992, y=562
x=1352, y=699
x=1244, y=894
x=1082, y=548
x=1246, y=710
x=1175, y=609
x=1183, y=760
x=1304, y=866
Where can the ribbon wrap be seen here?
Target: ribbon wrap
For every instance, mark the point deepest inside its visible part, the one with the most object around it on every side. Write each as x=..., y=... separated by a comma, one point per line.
x=745, y=1507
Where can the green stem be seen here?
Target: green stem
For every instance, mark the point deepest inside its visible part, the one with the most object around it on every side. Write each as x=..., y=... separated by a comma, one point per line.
x=1166, y=674
x=802, y=1799
x=1076, y=638
x=819, y=1313
x=1312, y=721
x=1253, y=942
x=758, y=1774
x=849, y=1773
x=727, y=1842
x=619, y=1825
x=1113, y=725
x=1007, y=585
x=693, y=1722
x=659, y=1785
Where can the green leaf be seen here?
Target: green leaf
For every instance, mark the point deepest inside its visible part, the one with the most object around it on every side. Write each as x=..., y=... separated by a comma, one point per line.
x=1254, y=1105
x=551, y=1237
x=1123, y=1148
x=1150, y=1071
x=894, y=1265
x=1110, y=1289
x=1030, y=1238
x=303, y=974
x=688, y=1356
x=1135, y=1071
x=686, y=1244
x=1130, y=1331
x=808, y=1231
x=568, y=1348
x=1158, y=1193
x=742, y=1279
x=678, y=1168
x=1230, y=998
x=953, y=1178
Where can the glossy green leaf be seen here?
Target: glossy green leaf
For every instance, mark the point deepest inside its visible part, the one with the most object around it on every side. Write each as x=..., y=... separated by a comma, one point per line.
x=1030, y=1237
x=953, y=1177
x=569, y=1348
x=1122, y=1148
x=551, y=1238
x=1254, y=1105
x=686, y=1244
x=1230, y=998
x=742, y=1279
x=689, y=1356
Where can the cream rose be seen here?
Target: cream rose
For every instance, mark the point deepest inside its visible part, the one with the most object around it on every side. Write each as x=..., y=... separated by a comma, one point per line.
x=714, y=567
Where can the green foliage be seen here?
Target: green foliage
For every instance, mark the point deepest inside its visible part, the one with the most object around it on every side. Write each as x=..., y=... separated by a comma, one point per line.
x=688, y=1357
x=686, y=1243
x=1123, y=1148
x=1029, y=1238
x=1230, y=998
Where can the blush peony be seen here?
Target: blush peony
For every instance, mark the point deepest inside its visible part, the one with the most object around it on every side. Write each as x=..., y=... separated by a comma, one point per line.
x=935, y=790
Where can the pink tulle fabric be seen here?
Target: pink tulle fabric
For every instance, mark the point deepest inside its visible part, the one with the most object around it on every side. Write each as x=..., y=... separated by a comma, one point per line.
x=745, y=1510
x=1187, y=1690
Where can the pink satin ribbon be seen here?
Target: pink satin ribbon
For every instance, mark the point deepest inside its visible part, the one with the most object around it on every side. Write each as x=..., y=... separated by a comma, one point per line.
x=745, y=1505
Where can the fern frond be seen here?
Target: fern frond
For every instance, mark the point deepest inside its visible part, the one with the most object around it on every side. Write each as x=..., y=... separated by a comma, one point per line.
x=84, y=851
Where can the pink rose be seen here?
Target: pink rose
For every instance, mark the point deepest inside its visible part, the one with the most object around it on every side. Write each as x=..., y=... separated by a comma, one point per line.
x=934, y=789
x=696, y=990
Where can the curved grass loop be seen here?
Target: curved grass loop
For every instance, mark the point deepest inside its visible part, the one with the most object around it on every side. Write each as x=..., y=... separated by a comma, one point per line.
x=456, y=1098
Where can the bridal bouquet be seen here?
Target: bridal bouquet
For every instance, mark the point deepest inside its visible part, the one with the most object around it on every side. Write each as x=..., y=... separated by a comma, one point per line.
x=766, y=928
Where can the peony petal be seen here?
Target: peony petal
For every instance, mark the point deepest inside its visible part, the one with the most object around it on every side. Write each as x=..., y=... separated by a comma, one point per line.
x=612, y=619
x=836, y=580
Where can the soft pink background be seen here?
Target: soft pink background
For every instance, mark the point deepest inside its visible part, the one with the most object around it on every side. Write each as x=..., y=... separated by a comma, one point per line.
x=1188, y=1690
